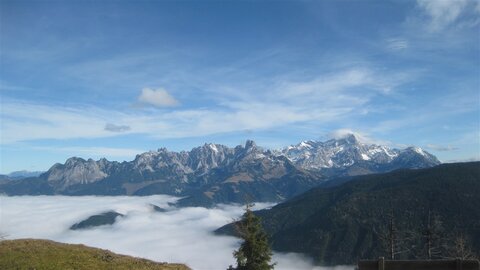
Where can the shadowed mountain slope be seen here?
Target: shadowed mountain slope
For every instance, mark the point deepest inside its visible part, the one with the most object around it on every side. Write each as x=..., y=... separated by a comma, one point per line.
x=341, y=224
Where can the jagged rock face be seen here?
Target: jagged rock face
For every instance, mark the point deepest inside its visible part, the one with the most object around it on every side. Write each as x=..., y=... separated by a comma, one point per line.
x=214, y=173
x=203, y=159
x=251, y=163
x=162, y=163
x=346, y=152
x=198, y=161
x=211, y=165
x=76, y=171
x=249, y=155
x=165, y=165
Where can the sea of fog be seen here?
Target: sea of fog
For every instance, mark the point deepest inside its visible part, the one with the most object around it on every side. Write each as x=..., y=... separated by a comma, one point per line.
x=181, y=235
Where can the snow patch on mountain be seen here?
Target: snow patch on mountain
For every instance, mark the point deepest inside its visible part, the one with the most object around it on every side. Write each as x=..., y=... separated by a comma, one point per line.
x=195, y=165
x=346, y=151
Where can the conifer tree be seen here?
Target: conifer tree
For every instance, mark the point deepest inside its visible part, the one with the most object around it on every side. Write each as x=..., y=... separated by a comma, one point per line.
x=254, y=253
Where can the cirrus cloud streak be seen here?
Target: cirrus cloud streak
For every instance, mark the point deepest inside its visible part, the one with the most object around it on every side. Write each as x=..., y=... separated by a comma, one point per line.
x=323, y=99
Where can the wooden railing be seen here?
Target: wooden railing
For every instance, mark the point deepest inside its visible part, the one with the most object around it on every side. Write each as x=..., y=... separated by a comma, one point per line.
x=382, y=264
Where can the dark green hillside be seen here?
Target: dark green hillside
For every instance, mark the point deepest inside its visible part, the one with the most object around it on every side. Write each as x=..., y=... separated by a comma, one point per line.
x=341, y=224
x=45, y=254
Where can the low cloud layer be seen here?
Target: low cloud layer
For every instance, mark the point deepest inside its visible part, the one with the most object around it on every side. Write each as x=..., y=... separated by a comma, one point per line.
x=180, y=235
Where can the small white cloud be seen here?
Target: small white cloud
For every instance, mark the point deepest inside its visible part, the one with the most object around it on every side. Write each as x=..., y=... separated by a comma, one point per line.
x=157, y=97
x=342, y=133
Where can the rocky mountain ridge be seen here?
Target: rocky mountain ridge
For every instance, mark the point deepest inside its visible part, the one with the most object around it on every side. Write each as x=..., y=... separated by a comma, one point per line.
x=215, y=173
x=185, y=165
x=346, y=151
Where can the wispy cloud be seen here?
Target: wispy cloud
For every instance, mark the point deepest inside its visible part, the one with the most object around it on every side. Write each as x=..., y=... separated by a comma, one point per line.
x=441, y=14
x=397, y=44
x=157, y=97
x=441, y=147
x=27, y=121
x=324, y=98
x=471, y=159
x=387, y=74
x=23, y=121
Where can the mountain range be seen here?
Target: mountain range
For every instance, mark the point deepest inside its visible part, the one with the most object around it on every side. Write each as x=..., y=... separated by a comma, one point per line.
x=349, y=156
x=215, y=173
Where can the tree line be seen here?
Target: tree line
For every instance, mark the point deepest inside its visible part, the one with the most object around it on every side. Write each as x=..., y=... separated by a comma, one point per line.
x=428, y=241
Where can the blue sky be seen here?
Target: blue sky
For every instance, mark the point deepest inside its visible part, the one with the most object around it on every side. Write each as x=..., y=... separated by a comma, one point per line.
x=116, y=78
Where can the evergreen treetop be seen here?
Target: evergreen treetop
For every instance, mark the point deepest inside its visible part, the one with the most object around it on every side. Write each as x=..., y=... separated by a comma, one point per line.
x=254, y=253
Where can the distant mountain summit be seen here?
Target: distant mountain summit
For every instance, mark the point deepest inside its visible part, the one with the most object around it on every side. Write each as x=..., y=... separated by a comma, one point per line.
x=348, y=155
x=20, y=175
x=215, y=173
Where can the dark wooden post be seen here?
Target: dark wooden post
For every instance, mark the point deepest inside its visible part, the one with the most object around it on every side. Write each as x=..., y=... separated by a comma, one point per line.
x=381, y=263
x=459, y=264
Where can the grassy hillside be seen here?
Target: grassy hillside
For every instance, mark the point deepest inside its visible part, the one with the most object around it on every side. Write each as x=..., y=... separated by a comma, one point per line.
x=45, y=254
x=341, y=224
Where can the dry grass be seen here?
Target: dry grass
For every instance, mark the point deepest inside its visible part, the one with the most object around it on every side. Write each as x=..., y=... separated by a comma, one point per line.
x=45, y=254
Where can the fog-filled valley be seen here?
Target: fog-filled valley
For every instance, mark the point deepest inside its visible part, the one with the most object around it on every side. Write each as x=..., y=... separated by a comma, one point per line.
x=181, y=235
x=139, y=132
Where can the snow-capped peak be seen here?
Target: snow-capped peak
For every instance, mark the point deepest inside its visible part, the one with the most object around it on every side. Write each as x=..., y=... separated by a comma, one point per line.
x=342, y=152
x=305, y=144
x=213, y=147
x=418, y=150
